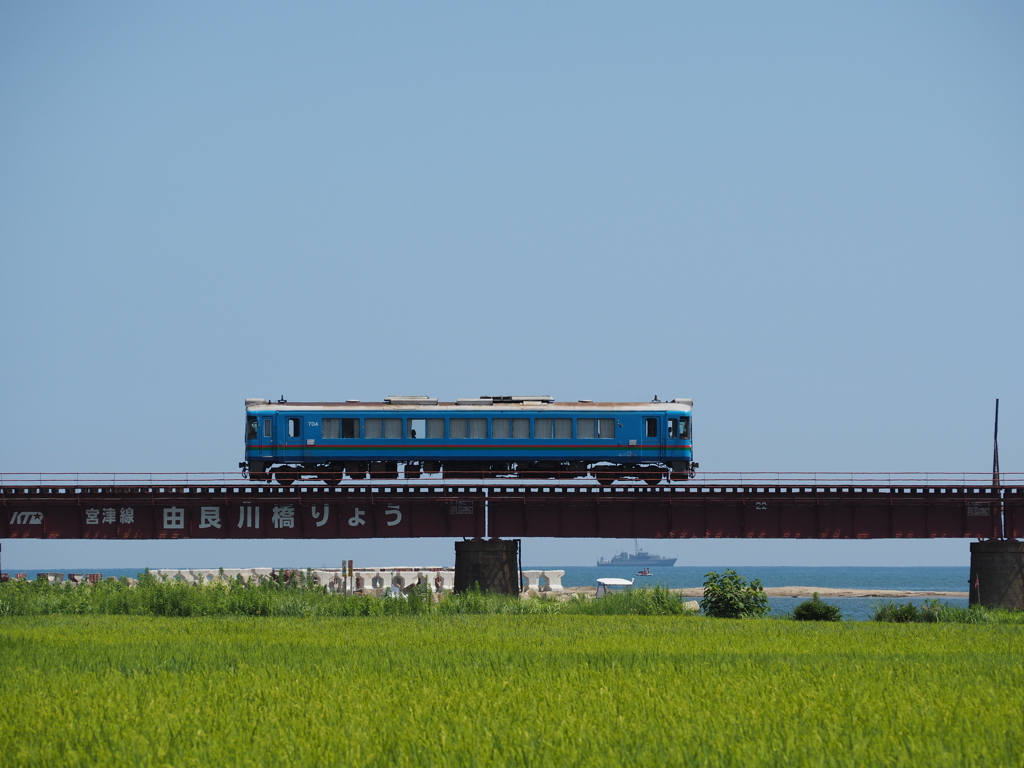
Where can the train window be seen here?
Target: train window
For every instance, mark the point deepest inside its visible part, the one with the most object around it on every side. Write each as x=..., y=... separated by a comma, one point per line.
x=268, y=428
x=684, y=427
x=671, y=428
x=333, y=429
x=587, y=429
x=650, y=427
x=558, y=429
x=389, y=429
x=294, y=428
x=517, y=429
x=252, y=430
x=472, y=429
x=426, y=428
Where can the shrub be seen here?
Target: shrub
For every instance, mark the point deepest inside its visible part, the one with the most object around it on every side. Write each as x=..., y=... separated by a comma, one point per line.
x=728, y=596
x=901, y=614
x=816, y=610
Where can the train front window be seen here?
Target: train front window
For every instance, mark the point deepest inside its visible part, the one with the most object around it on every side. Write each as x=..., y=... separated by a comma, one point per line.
x=684, y=427
x=294, y=427
x=252, y=430
x=672, y=428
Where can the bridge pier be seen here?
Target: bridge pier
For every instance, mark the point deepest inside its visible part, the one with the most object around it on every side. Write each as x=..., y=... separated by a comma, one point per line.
x=997, y=574
x=493, y=564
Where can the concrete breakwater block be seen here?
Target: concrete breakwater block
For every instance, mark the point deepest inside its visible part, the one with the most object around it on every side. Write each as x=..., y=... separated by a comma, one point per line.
x=391, y=579
x=543, y=581
x=367, y=580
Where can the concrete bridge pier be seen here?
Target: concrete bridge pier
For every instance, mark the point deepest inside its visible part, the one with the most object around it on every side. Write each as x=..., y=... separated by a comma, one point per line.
x=491, y=563
x=997, y=574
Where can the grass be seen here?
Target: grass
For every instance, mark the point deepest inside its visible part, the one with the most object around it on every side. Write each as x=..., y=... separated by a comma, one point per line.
x=933, y=610
x=547, y=689
x=153, y=597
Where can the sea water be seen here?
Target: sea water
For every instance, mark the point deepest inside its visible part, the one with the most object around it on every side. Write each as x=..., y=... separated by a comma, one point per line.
x=924, y=578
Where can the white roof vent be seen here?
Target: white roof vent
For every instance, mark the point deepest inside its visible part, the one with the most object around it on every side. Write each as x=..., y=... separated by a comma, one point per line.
x=474, y=401
x=518, y=398
x=410, y=400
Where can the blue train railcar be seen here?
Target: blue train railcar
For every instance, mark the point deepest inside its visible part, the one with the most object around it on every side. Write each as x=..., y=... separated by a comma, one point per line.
x=502, y=436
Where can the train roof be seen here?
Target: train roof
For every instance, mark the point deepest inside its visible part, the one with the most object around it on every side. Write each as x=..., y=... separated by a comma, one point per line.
x=499, y=403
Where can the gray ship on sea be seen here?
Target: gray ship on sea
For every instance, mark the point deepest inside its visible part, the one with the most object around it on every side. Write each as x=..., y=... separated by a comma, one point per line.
x=639, y=559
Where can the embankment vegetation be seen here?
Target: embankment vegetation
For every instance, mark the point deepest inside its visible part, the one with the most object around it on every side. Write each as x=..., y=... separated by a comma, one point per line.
x=299, y=596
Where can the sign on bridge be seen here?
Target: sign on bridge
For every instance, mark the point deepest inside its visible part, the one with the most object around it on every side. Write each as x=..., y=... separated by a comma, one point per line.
x=568, y=511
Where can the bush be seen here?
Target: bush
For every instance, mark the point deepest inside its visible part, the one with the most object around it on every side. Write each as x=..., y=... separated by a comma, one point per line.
x=816, y=610
x=900, y=614
x=730, y=597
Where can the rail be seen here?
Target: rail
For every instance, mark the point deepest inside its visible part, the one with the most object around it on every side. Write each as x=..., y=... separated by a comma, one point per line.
x=781, y=479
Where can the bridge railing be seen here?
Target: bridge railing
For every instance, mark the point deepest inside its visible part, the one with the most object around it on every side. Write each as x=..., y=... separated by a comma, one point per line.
x=791, y=479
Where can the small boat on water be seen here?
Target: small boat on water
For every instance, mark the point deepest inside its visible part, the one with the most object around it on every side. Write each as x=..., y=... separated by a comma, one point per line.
x=640, y=559
x=644, y=572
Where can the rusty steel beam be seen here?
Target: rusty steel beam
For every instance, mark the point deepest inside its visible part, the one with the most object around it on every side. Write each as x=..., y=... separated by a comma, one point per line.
x=520, y=511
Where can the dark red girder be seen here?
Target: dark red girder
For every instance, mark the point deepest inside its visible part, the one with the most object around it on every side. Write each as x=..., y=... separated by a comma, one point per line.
x=247, y=511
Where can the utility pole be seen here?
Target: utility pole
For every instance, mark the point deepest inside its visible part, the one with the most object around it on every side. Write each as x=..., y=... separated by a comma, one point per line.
x=995, y=474
x=995, y=450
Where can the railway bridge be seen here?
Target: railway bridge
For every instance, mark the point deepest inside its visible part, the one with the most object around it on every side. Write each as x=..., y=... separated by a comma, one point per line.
x=486, y=512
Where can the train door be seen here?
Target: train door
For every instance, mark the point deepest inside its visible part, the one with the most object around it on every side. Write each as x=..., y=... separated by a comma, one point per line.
x=268, y=435
x=652, y=444
x=291, y=439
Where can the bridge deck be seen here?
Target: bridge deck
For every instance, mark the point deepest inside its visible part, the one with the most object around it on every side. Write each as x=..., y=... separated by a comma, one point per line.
x=464, y=509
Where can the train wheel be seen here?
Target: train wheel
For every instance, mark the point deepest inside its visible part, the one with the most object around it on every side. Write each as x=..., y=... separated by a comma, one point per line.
x=286, y=476
x=653, y=479
x=605, y=478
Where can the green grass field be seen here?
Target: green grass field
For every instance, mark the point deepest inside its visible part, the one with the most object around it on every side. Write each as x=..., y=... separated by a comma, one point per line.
x=542, y=690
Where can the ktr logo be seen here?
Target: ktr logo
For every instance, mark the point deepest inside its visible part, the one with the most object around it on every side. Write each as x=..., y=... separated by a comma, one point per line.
x=27, y=518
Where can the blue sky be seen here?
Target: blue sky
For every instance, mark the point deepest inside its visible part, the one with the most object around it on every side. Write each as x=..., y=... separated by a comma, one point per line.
x=805, y=216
